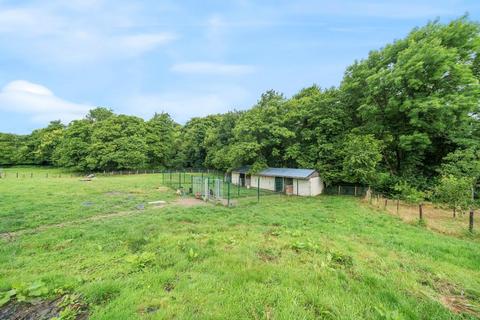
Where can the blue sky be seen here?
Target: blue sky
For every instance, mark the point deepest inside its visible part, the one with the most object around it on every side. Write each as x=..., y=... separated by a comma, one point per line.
x=189, y=58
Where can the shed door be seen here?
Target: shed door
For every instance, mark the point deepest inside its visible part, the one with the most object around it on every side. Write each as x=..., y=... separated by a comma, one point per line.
x=241, y=177
x=278, y=184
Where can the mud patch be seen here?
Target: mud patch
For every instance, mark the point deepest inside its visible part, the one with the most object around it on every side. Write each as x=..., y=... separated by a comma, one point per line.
x=41, y=310
x=189, y=202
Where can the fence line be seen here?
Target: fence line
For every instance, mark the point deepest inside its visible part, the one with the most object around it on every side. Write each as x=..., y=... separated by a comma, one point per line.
x=24, y=175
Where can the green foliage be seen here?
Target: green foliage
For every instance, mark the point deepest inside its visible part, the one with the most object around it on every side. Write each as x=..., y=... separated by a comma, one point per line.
x=142, y=260
x=463, y=163
x=23, y=292
x=455, y=192
x=409, y=193
x=361, y=156
x=10, y=145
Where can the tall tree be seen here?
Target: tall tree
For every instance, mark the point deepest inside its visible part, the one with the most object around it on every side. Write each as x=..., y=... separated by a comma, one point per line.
x=418, y=94
x=161, y=139
x=118, y=142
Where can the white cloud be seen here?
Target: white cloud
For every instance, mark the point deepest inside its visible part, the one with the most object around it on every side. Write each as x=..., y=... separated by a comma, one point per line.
x=213, y=68
x=38, y=103
x=78, y=33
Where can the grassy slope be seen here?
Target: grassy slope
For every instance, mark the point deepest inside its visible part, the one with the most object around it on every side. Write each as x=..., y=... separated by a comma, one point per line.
x=284, y=258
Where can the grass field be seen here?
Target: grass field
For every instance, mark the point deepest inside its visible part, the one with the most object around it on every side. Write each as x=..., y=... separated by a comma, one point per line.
x=325, y=257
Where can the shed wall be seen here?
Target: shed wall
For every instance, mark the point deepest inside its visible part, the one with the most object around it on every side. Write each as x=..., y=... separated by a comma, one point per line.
x=303, y=187
x=316, y=186
x=266, y=183
x=235, y=178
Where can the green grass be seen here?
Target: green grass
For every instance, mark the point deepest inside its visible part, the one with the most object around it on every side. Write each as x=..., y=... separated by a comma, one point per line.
x=284, y=258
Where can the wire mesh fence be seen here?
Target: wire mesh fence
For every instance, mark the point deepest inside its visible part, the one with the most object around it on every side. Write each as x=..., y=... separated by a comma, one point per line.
x=356, y=191
x=213, y=187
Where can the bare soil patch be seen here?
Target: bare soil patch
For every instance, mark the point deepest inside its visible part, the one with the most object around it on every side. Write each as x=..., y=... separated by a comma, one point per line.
x=189, y=202
x=44, y=309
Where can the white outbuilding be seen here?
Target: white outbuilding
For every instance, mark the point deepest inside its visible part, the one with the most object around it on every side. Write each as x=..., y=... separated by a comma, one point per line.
x=301, y=182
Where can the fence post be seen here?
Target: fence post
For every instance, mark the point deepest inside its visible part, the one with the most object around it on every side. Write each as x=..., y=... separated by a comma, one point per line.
x=191, y=181
x=470, y=221
x=258, y=189
x=17, y=175
x=228, y=194
x=338, y=190
x=297, y=189
x=398, y=202
x=207, y=195
x=179, y=179
x=420, y=211
x=355, y=191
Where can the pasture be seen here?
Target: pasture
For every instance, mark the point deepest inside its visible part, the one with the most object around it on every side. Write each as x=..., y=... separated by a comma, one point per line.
x=328, y=257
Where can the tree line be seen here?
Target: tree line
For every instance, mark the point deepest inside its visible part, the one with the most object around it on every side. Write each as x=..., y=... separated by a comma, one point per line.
x=408, y=114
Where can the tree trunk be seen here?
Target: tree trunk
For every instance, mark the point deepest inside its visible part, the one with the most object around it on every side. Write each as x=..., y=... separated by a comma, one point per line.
x=420, y=211
x=470, y=224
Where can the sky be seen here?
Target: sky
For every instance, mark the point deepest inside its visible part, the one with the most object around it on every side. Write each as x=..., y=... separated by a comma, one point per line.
x=58, y=58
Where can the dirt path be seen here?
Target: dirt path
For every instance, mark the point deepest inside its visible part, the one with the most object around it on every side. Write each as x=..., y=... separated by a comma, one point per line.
x=184, y=202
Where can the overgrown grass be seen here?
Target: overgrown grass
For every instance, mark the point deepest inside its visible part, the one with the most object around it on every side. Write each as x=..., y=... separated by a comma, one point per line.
x=283, y=258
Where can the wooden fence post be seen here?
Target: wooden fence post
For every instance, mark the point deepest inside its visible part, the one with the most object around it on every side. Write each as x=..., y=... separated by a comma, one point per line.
x=470, y=221
x=420, y=211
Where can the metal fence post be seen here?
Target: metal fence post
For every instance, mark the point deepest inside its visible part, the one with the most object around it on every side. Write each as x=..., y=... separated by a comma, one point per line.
x=258, y=189
x=191, y=181
x=228, y=194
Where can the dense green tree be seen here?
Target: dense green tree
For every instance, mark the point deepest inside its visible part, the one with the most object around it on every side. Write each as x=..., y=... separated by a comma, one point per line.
x=118, y=142
x=417, y=95
x=162, y=138
x=193, y=152
x=99, y=114
x=260, y=134
x=455, y=192
x=319, y=122
x=361, y=156
x=10, y=144
x=219, y=139
x=40, y=145
x=73, y=150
